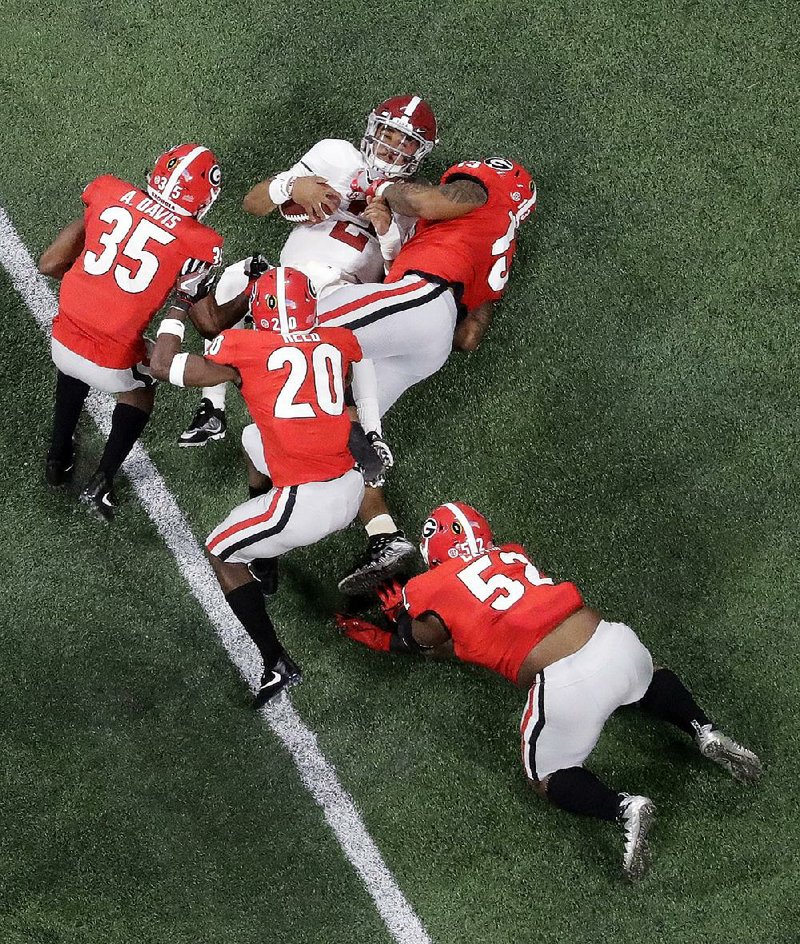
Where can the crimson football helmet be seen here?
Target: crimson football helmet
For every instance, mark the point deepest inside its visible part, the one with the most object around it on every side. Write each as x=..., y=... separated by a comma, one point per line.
x=187, y=179
x=284, y=300
x=454, y=530
x=401, y=133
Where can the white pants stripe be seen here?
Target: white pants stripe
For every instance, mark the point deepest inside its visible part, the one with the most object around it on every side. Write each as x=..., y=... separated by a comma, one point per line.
x=286, y=518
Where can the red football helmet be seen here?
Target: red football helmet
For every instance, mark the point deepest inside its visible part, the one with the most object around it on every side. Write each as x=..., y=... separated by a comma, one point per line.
x=521, y=187
x=454, y=530
x=517, y=182
x=284, y=300
x=186, y=179
x=400, y=134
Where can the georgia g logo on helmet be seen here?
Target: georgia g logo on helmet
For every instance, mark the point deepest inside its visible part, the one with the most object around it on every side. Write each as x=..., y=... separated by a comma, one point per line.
x=187, y=179
x=454, y=530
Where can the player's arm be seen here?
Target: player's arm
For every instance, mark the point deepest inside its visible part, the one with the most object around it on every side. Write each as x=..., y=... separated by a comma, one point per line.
x=470, y=332
x=425, y=635
x=445, y=202
x=211, y=318
x=181, y=369
x=314, y=194
x=56, y=260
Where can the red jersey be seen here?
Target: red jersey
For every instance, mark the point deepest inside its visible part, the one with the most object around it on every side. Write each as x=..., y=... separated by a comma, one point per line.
x=133, y=251
x=293, y=386
x=496, y=607
x=474, y=252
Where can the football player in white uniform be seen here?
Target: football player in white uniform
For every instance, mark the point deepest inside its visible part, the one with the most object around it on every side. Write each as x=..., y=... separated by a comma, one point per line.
x=337, y=239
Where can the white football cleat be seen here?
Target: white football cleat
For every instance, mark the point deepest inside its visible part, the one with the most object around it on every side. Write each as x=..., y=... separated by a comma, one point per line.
x=636, y=815
x=743, y=765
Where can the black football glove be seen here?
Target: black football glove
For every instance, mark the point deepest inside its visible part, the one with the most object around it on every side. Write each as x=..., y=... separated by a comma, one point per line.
x=256, y=266
x=380, y=446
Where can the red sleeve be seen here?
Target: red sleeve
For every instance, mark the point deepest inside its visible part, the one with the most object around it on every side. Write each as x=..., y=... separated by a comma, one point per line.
x=206, y=246
x=94, y=187
x=415, y=595
x=225, y=349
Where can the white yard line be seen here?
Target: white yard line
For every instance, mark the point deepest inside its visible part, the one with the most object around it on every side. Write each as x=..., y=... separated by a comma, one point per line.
x=316, y=772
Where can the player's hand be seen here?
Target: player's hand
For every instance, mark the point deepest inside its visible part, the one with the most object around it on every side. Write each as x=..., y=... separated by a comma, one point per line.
x=256, y=266
x=316, y=196
x=190, y=287
x=362, y=185
x=379, y=215
x=368, y=634
x=390, y=594
x=380, y=446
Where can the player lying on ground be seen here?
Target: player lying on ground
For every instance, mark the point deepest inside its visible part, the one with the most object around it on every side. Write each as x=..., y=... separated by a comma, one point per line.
x=491, y=606
x=439, y=295
x=117, y=265
x=455, y=266
x=303, y=484
x=336, y=239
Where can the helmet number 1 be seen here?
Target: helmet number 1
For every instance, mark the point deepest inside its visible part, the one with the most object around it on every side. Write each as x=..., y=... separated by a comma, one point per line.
x=135, y=267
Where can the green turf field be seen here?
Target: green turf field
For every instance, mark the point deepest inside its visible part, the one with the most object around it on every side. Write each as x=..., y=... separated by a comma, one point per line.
x=631, y=419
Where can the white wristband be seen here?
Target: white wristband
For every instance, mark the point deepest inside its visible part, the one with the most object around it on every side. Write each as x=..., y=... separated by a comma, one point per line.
x=172, y=326
x=391, y=241
x=177, y=368
x=280, y=187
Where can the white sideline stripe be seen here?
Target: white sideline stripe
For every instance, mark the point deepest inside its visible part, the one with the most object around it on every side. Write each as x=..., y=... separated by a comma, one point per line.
x=318, y=775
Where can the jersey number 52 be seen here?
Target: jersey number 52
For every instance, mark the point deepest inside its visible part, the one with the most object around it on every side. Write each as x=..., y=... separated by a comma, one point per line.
x=511, y=590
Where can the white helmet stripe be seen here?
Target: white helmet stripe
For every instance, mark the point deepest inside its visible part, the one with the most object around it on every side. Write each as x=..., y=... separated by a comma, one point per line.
x=283, y=316
x=470, y=534
x=182, y=165
x=411, y=107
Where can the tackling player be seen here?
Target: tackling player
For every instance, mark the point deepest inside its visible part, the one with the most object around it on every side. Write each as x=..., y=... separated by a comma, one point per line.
x=490, y=605
x=303, y=484
x=439, y=295
x=337, y=239
x=117, y=264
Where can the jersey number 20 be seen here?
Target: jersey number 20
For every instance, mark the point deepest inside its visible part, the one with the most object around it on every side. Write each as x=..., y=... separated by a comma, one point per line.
x=326, y=364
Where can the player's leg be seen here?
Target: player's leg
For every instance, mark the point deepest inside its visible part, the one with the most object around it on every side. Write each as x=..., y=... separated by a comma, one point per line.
x=388, y=550
x=70, y=396
x=266, y=527
x=670, y=700
x=209, y=422
x=259, y=482
x=130, y=416
x=244, y=597
x=567, y=706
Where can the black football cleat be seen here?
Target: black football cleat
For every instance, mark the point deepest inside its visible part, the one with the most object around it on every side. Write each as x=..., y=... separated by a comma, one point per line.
x=386, y=555
x=98, y=497
x=208, y=423
x=281, y=676
x=265, y=571
x=58, y=473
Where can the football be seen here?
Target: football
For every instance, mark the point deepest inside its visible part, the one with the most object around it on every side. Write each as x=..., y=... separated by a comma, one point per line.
x=293, y=212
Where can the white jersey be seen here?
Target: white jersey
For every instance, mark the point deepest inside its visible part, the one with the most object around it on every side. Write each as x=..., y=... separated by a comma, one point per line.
x=344, y=243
